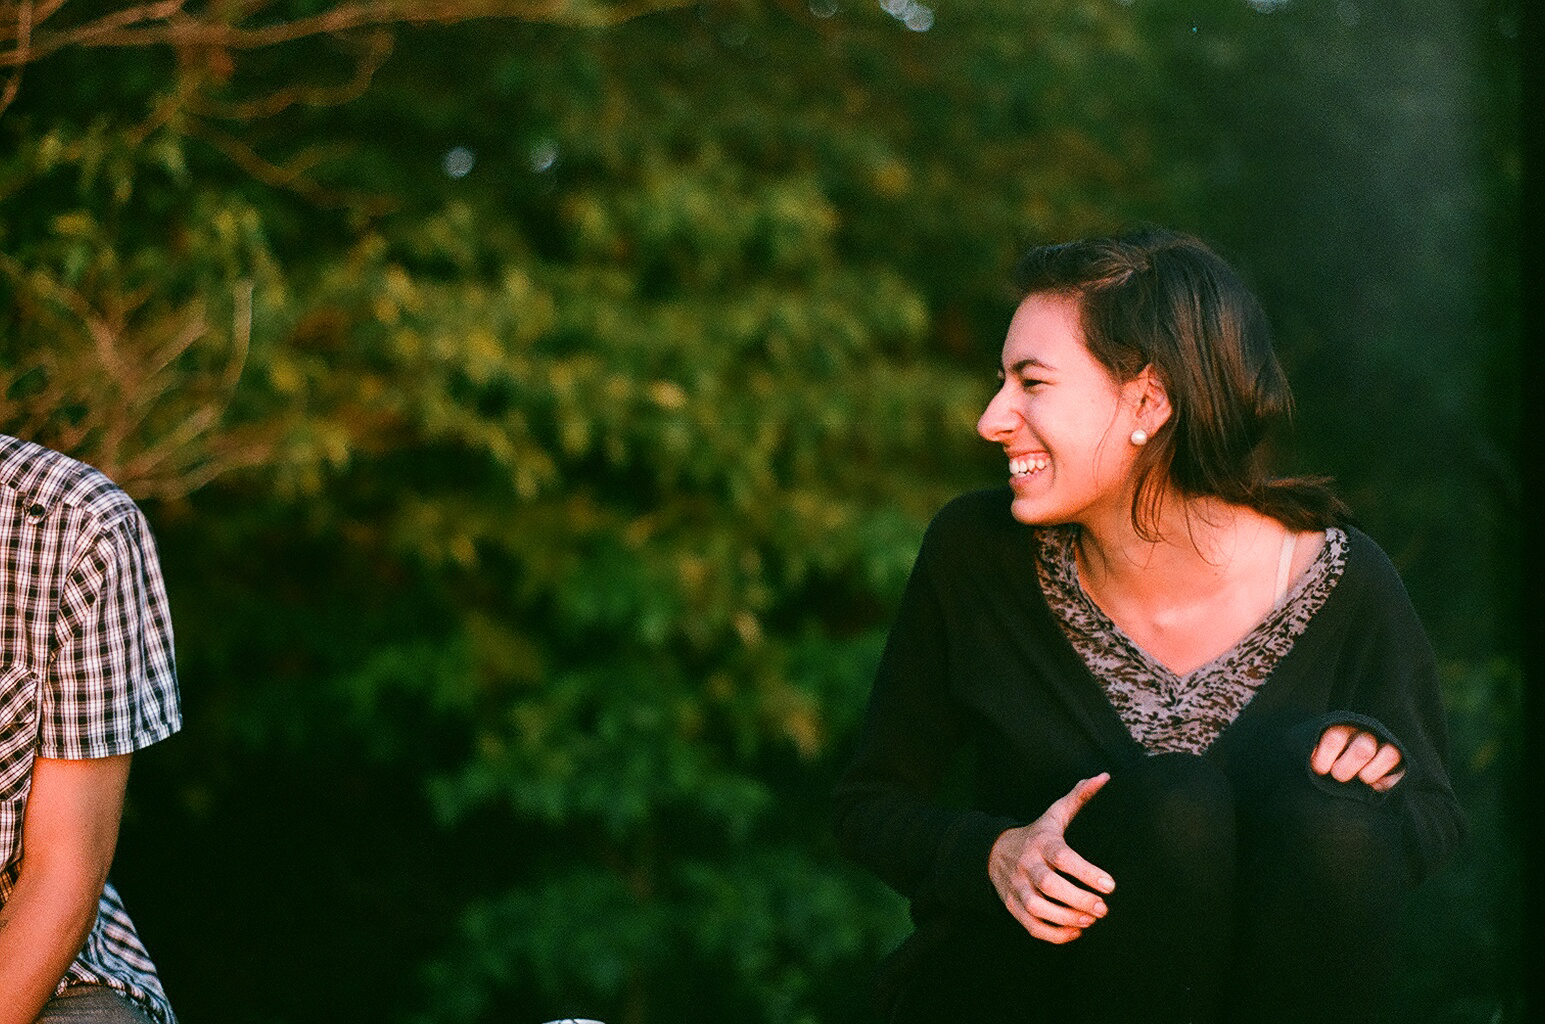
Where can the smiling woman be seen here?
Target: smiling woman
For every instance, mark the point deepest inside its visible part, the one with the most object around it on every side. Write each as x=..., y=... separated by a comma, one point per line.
x=1204, y=716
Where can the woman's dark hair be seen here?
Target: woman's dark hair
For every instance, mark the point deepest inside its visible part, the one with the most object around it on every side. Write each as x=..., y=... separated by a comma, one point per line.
x=1152, y=297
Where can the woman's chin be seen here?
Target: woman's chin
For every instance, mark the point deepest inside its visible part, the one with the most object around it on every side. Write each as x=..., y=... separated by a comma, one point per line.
x=1031, y=512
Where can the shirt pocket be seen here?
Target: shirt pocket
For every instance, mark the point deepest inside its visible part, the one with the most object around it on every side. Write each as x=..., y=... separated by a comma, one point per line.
x=18, y=733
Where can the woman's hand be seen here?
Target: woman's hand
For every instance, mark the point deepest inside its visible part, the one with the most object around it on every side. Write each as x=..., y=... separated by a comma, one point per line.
x=1031, y=867
x=1344, y=751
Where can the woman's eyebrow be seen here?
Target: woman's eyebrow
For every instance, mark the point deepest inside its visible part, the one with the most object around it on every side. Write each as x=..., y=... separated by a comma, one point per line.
x=1022, y=364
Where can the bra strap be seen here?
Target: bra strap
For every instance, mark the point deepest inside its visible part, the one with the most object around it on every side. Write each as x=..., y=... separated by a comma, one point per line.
x=1284, y=562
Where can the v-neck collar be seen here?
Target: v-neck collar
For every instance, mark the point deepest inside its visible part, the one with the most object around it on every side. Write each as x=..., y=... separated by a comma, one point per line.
x=1133, y=680
x=1059, y=542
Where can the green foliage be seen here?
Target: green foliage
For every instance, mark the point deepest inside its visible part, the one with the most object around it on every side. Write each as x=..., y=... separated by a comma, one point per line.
x=533, y=518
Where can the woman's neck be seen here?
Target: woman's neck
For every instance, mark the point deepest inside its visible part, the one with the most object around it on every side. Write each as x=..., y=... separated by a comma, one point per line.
x=1193, y=594
x=1203, y=544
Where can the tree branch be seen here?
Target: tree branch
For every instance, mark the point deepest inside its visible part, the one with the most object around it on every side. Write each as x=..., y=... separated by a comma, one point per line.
x=167, y=23
x=377, y=47
x=291, y=176
x=23, y=49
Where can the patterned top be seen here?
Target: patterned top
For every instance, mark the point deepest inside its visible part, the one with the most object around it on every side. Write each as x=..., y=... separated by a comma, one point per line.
x=86, y=665
x=1167, y=712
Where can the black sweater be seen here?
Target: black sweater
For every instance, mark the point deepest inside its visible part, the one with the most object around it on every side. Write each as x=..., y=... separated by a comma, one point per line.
x=975, y=661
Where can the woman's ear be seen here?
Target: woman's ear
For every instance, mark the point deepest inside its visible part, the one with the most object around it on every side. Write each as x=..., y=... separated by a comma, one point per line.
x=1150, y=400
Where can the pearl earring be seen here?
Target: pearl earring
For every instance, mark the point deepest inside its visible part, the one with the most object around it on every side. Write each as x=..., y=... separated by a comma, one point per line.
x=1139, y=437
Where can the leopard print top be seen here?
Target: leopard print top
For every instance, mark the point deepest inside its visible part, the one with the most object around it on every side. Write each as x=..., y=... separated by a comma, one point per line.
x=1167, y=712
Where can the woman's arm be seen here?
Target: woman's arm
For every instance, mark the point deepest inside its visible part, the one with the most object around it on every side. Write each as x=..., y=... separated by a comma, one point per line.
x=1389, y=682
x=887, y=814
x=68, y=837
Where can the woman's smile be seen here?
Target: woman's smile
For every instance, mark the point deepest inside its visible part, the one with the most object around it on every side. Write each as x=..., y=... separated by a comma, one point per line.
x=1026, y=466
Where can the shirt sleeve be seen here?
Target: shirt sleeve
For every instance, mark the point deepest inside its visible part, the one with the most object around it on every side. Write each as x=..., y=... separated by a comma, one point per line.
x=1408, y=711
x=111, y=685
x=887, y=814
x=1392, y=685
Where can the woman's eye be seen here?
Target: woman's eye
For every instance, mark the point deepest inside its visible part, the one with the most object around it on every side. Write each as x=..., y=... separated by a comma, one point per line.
x=1023, y=383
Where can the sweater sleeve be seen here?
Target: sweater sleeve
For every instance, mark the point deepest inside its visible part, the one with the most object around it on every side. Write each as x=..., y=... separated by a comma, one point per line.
x=888, y=817
x=1395, y=694
x=1413, y=715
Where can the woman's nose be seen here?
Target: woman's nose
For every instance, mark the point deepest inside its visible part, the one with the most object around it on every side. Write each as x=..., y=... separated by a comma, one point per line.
x=997, y=419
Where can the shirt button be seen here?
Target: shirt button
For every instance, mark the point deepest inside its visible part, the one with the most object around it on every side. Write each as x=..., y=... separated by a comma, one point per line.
x=36, y=512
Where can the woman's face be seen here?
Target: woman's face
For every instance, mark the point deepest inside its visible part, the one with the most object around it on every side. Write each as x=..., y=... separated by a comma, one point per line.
x=1061, y=418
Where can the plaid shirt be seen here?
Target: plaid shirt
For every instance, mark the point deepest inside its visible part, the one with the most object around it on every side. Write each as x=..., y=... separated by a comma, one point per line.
x=85, y=664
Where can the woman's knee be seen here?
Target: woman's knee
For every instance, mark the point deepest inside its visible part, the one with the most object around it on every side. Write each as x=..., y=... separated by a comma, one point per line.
x=1176, y=808
x=1343, y=845
x=1164, y=828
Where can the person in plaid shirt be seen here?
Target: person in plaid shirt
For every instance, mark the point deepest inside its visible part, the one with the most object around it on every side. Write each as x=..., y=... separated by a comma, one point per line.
x=86, y=678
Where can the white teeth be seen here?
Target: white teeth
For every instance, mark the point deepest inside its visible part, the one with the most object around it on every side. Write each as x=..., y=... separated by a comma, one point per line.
x=1026, y=465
